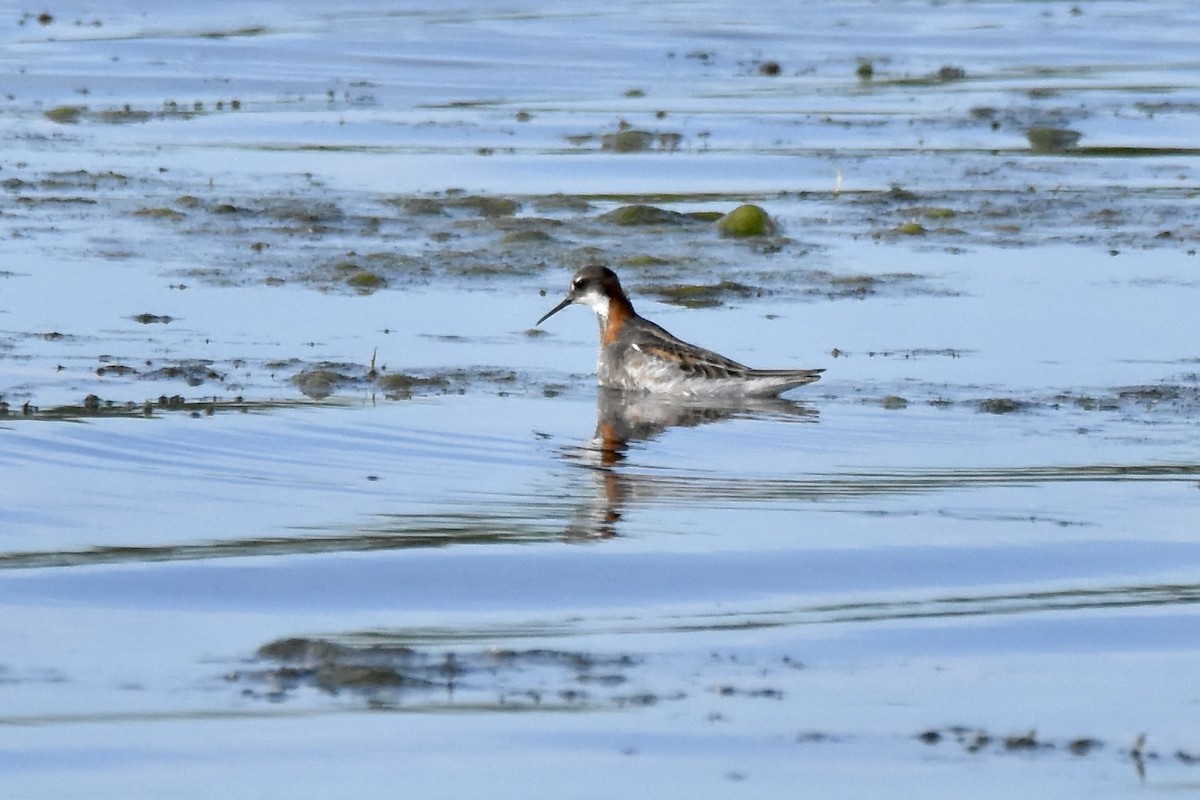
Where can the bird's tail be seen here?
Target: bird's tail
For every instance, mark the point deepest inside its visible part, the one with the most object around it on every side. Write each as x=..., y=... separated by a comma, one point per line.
x=793, y=377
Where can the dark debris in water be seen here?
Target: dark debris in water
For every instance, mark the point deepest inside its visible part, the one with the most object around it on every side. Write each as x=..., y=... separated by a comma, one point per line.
x=667, y=246
x=321, y=380
x=627, y=139
x=1002, y=405
x=388, y=673
x=194, y=372
x=693, y=295
x=448, y=203
x=1044, y=139
x=306, y=382
x=363, y=243
x=859, y=285
x=94, y=406
x=979, y=741
x=641, y=214
x=317, y=381
x=127, y=114
x=153, y=319
x=1179, y=399
x=423, y=670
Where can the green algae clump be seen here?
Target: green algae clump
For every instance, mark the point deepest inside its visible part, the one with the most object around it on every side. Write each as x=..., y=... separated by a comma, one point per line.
x=1052, y=140
x=627, y=141
x=640, y=214
x=366, y=281
x=744, y=221
x=65, y=115
x=701, y=295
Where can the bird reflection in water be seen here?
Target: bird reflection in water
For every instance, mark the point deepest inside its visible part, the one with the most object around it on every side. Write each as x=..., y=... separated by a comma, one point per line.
x=625, y=418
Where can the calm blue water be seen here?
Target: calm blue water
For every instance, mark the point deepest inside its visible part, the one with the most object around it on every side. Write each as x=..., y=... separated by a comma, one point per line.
x=761, y=601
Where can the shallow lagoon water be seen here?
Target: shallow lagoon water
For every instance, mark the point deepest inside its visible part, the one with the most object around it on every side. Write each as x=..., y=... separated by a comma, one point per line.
x=965, y=561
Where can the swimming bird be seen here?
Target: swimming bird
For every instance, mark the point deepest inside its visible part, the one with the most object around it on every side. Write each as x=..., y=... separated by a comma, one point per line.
x=638, y=355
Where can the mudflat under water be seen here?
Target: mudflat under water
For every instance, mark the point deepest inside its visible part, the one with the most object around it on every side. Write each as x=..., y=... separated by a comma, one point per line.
x=294, y=500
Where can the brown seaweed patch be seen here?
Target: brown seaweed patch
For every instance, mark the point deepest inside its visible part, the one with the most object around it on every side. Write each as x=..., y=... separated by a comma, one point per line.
x=1003, y=405
x=526, y=231
x=486, y=206
x=1083, y=745
x=95, y=406
x=118, y=370
x=323, y=379
x=1150, y=395
x=696, y=295
x=729, y=690
x=72, y=114
x=1133, y=151
x=82, y=178
x=975, y=741
x=644, y=260
x=422, y=206
x=1180, y=398
x=400, y=385
x=17, y=184
x=159, y=212
x=152, y=319
x=937, y=212
x=123, y=115
x=642, y=214
x=194, y=372
x=948, y=73
x=528, y=236
x=561, y=202
x=863, y=285
x=1052, y=140
x=320, y=381
x=627, y=141
x=309, y=213
x=384, y=671
x=364, y=272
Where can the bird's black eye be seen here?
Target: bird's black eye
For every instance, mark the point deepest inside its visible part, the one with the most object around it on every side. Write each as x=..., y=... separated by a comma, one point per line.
x=578, y=284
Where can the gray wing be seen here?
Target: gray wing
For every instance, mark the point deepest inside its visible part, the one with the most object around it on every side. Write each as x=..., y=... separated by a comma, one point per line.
x=691, y=360
x=698, y=362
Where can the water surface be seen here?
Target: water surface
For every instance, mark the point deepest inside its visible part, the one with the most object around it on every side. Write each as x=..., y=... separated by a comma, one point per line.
x=294, y=500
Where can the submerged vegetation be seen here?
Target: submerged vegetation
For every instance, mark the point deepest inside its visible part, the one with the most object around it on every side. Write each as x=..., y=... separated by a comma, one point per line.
x=269, y=363
x=691, y=250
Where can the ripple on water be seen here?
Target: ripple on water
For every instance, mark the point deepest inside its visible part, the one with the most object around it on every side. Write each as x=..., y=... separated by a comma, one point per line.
x=979, y=523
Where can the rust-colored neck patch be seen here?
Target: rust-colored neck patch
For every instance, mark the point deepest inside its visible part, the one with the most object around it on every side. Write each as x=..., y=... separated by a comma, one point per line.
x=619, y=312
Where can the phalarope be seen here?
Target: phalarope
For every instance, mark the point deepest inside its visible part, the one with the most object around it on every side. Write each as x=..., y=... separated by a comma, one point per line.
x=637, y=354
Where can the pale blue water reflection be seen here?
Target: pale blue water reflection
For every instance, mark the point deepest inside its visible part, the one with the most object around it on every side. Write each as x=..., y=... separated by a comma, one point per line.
x=983, y=516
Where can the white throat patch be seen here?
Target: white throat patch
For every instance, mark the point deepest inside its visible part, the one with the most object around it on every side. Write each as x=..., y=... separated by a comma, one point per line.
x=598, y=302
